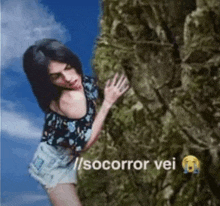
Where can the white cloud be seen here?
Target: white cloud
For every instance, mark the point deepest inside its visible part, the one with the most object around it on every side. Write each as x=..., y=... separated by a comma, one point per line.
x=23, y=23
x=7, y=104
x=17, y=124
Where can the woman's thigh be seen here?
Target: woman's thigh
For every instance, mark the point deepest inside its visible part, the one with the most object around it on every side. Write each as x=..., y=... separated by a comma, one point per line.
x=64, y=194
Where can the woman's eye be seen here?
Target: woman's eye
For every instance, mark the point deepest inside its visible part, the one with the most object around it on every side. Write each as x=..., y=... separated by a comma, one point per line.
x=55, y=76
x=68, y=67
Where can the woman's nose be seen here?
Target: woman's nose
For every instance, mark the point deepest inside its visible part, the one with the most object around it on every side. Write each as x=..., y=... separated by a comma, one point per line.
x=67, y=77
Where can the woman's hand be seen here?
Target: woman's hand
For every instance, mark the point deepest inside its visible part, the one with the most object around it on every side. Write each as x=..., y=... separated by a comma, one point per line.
x=113, y=90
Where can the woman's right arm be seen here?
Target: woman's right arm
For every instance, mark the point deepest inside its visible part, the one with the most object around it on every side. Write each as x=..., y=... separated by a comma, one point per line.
x=113, y=90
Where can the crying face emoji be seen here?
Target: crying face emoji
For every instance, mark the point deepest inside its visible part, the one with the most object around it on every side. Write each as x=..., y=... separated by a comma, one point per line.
x=191, y=164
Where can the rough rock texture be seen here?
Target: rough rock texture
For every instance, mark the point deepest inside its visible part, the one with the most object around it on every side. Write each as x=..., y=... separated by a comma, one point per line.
x=170, y=52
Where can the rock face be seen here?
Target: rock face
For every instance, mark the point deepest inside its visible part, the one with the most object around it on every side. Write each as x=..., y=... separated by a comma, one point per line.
x=170, y=52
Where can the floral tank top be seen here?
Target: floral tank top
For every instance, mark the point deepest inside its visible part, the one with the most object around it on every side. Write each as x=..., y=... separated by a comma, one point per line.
x=72, y=133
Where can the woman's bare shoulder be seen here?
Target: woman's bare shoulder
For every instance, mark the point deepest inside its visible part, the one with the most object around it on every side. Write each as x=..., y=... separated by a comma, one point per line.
x=71, y=104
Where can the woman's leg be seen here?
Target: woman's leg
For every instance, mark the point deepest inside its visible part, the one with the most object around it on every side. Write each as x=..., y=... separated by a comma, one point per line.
x=64, y=194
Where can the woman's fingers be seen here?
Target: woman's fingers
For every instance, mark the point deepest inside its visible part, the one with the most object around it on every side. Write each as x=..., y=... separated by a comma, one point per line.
x=123, y=83
x=124, y=89
x=107, y=83
x=120, y=81
x=115, y=88
x=114, y=79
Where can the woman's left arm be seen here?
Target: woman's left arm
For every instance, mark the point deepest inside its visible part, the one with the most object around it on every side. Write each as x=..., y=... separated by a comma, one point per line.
x=113, y=90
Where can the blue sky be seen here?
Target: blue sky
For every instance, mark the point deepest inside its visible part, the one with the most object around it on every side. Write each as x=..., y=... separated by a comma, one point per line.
x=24, y=22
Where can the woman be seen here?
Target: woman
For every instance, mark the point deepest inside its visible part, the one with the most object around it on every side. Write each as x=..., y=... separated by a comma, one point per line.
x=68, y=99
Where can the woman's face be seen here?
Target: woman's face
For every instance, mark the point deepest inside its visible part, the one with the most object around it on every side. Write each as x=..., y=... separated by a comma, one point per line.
x=63, y=75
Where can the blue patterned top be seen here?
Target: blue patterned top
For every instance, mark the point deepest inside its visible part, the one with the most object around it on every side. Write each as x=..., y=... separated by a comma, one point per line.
x=72, y=133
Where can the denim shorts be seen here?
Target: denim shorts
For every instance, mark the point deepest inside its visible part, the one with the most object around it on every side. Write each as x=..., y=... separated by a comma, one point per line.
x=52, y=165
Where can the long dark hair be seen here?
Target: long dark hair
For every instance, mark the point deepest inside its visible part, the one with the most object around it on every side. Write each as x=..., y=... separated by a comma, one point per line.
x=36, y=60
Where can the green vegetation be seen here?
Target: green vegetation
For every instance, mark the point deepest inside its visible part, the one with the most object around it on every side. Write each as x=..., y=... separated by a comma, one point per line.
x=170, y=52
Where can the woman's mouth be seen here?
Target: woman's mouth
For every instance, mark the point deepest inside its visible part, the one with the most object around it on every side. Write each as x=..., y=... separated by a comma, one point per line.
x=75, y=85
